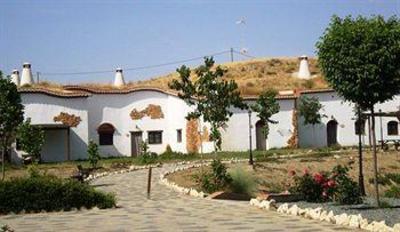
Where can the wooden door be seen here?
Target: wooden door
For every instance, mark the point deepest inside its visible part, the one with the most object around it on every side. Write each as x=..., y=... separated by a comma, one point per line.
x=136, y=141
x=331, y=131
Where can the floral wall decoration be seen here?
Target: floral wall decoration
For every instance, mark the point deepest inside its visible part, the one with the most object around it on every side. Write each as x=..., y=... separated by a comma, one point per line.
x=67, y=119
x=192, y=136
x=293, y=141
x=152, y=111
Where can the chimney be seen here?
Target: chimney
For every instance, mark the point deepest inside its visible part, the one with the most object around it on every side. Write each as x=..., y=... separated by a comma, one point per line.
x=15, y=77
x=26, y=76
x=119, y=78
x=304, y=72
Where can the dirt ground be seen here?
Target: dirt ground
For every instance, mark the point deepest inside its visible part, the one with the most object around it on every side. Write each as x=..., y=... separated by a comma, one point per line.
x=273, y=175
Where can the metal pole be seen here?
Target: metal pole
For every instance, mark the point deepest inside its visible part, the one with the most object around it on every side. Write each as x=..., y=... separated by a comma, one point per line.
x=37, y=77
x=231, y=54
x=251, y=162
x=149, y=183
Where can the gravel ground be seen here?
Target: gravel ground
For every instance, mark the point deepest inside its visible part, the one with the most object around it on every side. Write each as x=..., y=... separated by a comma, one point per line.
x=390, y=215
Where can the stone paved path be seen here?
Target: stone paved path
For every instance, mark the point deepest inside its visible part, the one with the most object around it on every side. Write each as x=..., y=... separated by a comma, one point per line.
x=166, y=211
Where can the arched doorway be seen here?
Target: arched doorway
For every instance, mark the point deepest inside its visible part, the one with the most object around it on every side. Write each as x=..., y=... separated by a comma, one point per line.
x=261, y=143
x=331, y=132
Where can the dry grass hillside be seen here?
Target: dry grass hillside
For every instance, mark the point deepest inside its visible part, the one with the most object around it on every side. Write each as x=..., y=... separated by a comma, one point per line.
x=252, y=76
x=256, y=75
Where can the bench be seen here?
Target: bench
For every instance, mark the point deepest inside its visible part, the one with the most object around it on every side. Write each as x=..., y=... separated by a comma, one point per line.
x=386, y=142
x=82, y=174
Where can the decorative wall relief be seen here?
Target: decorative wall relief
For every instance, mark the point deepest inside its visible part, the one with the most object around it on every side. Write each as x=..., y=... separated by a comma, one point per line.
x=293, y=141
x=152, y=111
x=192, y=136
x=68, y=119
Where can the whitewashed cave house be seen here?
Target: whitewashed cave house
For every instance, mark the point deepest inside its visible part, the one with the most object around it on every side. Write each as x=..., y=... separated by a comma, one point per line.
x=119, y=119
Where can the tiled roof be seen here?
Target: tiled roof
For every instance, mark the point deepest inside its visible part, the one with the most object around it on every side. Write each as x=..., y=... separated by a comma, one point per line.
x=117, y=91
x=55, y=93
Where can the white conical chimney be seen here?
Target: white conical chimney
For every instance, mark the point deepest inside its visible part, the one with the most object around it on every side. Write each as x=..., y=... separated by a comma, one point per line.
x=119, y=78
x=15, y=77
x=304, y=72
x=26, y=76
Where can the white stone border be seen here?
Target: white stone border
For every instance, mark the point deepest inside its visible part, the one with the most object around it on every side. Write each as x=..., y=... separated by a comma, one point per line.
x=130, y=169
x=352, y=221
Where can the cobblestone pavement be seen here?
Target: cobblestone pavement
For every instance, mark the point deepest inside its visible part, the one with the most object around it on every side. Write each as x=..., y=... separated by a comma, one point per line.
x=165, y=211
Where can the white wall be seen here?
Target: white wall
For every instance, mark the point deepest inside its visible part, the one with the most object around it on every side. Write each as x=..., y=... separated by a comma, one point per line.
x=42, y=109
x=343, y=112
x=236, y=135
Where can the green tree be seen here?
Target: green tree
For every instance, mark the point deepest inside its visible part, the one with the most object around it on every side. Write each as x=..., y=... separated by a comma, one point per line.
x=359, y=57
x=93, y=153
x=11, y=115
x=30, y=138
x=309, y=109
x=212, y=96
x=265, y=106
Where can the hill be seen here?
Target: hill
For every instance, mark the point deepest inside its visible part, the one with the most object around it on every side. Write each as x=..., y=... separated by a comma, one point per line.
x=254, y=76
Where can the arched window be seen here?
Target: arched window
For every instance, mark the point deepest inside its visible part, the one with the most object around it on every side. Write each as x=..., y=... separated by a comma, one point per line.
x=106, y=134
x=393, y=128
x=359, y=127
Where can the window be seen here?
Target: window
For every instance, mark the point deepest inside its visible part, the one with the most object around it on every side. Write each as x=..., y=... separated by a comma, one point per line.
x=106, y=134
x=154, y=137
x=392, y=128
x=179, y=135
x=359, y=127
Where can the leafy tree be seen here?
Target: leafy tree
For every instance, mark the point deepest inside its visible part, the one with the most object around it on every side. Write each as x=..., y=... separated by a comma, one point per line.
x=93, y=153
x=31, y=138
x=265, y=106
x=11, y=115
x=360, y=59
x=309, y=108
x=212, y=96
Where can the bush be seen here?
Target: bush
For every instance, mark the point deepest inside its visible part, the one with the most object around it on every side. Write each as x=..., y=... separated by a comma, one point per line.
x=393, y=192
x=147, y=157
x=335, y=185
x=93, y=154
x=347, y=191
x=43, y=192
x=216, y=180
x=242, y=182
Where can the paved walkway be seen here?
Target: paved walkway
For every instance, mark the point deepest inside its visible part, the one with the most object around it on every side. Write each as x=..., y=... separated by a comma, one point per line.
x=166, y=211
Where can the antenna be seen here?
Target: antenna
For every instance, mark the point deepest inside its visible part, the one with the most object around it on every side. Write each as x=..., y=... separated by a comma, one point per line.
x=242, y=26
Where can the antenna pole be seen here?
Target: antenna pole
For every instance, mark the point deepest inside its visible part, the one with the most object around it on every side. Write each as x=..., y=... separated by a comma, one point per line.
x=231, y=54
x=37, y=77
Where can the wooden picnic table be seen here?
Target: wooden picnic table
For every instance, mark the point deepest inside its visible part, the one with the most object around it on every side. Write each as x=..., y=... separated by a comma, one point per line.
x=386, y=142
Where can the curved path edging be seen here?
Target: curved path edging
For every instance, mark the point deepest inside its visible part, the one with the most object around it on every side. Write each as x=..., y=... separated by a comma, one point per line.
x=351, y=221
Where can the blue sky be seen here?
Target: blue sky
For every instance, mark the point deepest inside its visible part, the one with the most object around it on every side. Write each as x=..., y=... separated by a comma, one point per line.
x=79, y=36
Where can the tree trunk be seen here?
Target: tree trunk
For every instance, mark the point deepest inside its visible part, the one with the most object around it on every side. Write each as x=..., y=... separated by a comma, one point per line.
x=375, y=156
x=3, y=171
x=360, y=159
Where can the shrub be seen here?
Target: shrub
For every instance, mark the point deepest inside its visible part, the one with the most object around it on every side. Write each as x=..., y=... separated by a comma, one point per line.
x=146, y=156
x=93, y=154
x=217, y=179
x=393, y=192
x=311, y=187
x=43, y=192
x=347, y=191
x=242, y=182
x=335, y=185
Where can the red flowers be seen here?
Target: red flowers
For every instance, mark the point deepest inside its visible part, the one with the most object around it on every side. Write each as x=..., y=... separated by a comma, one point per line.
x=319, y=178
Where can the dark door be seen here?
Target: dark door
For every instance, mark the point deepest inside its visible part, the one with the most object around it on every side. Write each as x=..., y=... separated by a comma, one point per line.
x=331, y=131
x=136, y=141
x=261, y=143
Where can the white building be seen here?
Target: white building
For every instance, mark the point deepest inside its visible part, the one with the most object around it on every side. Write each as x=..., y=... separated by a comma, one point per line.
x=118, y=119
